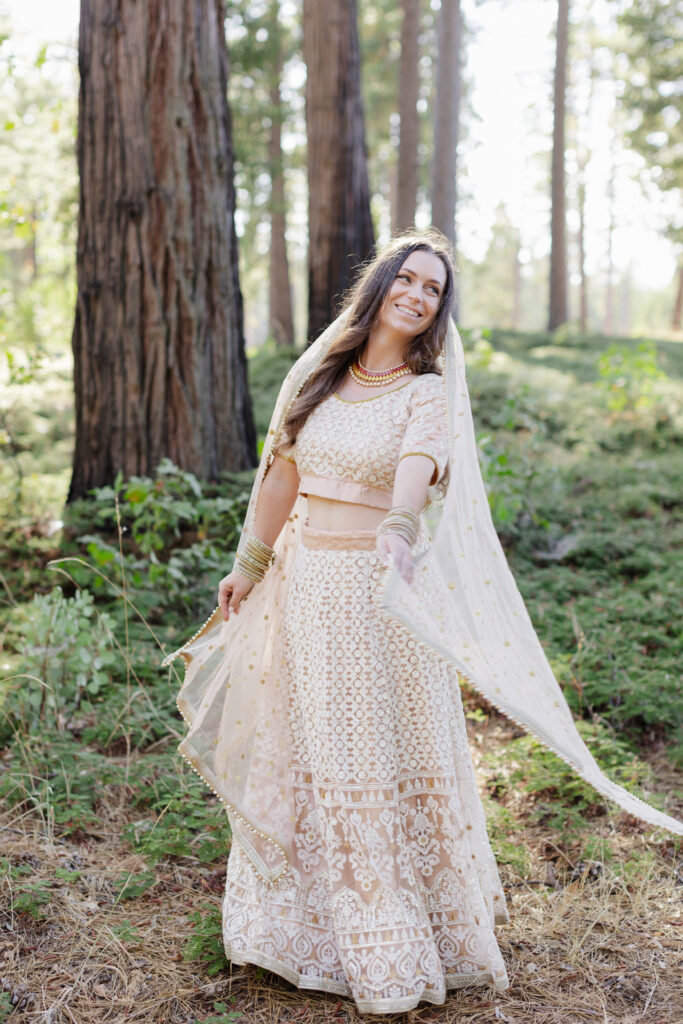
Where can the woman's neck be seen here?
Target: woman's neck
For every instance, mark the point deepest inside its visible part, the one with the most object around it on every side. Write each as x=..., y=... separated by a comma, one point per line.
x=383, y=349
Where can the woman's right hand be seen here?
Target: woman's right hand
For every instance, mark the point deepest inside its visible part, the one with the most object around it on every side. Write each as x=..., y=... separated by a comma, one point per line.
x=231, y=590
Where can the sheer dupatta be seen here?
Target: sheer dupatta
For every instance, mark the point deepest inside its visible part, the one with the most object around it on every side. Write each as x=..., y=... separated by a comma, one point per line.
x=233, y=698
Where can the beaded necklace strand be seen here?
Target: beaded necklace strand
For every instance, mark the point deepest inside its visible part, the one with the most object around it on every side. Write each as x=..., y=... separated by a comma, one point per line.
x=376, y=378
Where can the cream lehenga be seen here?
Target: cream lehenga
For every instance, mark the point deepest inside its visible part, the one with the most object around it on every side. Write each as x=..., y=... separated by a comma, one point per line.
x=327, y=714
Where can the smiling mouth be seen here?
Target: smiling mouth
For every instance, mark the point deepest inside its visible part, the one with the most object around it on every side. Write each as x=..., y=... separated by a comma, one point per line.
x=410, y=312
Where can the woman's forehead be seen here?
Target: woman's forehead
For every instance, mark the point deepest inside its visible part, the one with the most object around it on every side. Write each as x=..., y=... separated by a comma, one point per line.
x=425, y=264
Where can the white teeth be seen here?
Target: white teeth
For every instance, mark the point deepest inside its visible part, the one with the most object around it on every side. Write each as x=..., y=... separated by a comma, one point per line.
x=405, y=309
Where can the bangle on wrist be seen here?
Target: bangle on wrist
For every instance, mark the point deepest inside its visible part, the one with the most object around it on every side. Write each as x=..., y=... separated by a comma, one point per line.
x=402, y=520
x=254, y=558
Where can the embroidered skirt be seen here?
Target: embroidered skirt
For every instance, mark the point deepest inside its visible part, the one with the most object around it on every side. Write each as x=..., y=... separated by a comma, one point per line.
x=393, y=891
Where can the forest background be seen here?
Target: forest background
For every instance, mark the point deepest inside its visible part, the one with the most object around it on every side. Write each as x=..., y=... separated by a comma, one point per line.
x=545, y=141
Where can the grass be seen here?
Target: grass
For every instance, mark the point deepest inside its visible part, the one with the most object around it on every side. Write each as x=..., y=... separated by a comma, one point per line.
x=112, y=853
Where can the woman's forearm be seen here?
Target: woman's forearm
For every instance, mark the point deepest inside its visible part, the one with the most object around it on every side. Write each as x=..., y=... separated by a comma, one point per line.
x=276, y=499
x=413, y=476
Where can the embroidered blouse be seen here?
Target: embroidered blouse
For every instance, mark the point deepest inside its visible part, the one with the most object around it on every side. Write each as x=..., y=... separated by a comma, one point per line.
x=349, y=450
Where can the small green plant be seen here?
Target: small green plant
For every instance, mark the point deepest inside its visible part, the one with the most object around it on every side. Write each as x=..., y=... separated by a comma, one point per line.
x=6, y=1006
x=59, y=774
x=222, y=1015
x=629, y=377
x=127, y=934
x=67, y=876
x=32, y=898
x=503, y=829
x=130, y=886
x=206, y=942
x=14, y=871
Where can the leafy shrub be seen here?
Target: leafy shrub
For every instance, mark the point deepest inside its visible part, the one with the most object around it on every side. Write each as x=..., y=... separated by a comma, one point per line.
x=508, y=476
x=67, y=655
x=157, y=510
x=629, y=377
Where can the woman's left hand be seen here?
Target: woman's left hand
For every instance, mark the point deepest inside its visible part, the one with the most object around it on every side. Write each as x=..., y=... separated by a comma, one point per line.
x=395, y=545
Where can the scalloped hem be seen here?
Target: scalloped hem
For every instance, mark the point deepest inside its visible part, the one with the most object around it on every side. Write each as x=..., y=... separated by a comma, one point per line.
x=309, y=983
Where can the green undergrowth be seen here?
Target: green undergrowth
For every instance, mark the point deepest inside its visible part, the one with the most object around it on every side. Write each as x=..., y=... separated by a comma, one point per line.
x=579, y=442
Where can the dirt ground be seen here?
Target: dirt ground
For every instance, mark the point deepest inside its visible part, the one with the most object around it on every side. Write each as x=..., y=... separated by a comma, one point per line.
x=588, y=942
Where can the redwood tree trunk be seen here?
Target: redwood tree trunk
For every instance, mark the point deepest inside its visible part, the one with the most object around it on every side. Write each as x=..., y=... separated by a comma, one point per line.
x=281, y=320
x=158, y=343
x=608, y=324
x=447, y=123
x=583, y=282
x=340, y=228
x=446, y=118
x=407, y=108
x=558, y=312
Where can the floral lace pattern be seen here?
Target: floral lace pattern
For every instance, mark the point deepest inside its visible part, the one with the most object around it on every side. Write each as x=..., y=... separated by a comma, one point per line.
x=392, y=890
x=333, y=443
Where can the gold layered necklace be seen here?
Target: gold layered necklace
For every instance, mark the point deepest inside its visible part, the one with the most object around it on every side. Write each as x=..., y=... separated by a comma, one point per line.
x=376, y=378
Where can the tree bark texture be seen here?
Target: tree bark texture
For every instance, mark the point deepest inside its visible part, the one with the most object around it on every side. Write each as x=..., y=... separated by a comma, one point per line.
x=446, y=118
x=558, y=311
x=158, y=341
x=409, y=137
x=280, y=307
x=341, y=234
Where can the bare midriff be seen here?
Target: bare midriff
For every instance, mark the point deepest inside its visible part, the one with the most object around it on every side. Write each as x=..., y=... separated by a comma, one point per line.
x=328, y=514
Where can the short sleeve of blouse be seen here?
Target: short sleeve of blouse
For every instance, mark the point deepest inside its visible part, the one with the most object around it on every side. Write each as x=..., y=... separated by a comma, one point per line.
x=426, y=432
x=282, y=448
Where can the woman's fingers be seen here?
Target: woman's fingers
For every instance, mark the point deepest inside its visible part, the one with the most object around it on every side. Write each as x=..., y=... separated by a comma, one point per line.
x=224, y=594
x=392, y=546
x=232, y=590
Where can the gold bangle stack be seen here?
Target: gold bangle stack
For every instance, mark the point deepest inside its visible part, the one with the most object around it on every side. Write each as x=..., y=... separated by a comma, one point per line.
x=403, y=521
x=255, y=558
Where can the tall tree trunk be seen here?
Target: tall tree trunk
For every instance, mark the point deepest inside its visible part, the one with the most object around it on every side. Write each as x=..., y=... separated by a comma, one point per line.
x=678, y=303
x=583, y=281
x=447, y=120
x=158, y=344
x=340, y=231
x=558, y=308
x=608, y=324
x=409, y=137
x=281, y=320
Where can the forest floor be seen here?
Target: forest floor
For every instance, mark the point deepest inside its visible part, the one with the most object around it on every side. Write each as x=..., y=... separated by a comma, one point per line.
x=113, y=854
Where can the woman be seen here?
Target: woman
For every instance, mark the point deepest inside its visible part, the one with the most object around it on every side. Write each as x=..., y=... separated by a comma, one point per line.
x=323, y=695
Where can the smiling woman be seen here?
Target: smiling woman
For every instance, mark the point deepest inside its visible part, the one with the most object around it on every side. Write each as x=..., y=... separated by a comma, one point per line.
x=323, y=695
x=361, y=864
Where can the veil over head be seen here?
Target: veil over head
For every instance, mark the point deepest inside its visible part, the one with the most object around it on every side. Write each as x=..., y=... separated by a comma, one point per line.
x=233, y=696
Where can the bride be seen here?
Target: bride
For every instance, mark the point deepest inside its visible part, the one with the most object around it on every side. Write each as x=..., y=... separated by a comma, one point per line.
x=323, y=694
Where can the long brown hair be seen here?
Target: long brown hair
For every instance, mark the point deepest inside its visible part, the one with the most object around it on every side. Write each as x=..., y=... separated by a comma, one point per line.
x=364, y=302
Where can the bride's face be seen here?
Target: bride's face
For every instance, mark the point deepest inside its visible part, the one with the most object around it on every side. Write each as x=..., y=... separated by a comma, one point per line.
x=414, y=297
